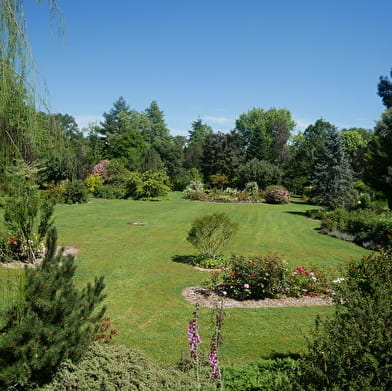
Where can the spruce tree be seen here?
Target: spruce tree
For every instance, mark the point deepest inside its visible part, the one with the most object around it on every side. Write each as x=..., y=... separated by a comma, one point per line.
x=55, y=321
x=332, y=175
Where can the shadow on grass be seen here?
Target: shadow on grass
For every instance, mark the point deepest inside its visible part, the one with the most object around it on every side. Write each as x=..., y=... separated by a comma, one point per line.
x=187, y=259
x=275, y=355
x=297, y=213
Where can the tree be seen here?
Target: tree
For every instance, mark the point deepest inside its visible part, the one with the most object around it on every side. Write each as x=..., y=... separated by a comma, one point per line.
x=384, y=90
x=332, y=175
x=199, y=132
x=114, y=119
x=55, y=322
x=353, y=349
x=260, y=171
x=303, y=151
x=157, y=129
x=20, y=134
x=378, y=170
x=264, y=134
x=356, y=141
x=222, y=154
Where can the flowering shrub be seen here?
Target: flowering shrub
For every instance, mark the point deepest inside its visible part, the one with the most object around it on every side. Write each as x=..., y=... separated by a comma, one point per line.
x=306, y=282
x=256, y=278
x=277, y=196
x=101, y=168
x=194, y=190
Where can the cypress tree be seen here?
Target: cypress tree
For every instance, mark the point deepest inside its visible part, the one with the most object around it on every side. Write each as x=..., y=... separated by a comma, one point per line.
x=54, y=322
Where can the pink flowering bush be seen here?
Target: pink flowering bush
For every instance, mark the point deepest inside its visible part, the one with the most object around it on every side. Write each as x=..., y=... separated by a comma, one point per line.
x=256, y=278
x=277, y=196
x=307, y=282
x=101, y=168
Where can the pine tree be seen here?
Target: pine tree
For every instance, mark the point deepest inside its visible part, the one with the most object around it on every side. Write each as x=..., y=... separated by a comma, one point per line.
x=332, y=175
x=55, y=321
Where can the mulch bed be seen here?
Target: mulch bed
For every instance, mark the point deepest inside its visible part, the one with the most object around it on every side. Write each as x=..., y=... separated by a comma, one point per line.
x=19, y=264
x=198, y=295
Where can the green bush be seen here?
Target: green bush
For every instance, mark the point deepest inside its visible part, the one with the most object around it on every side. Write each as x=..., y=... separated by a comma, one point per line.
x=256, y=278
x=75, y=193
x=111, y=192
x=115, y=367
x=210, y=233
x=147, y=186
x=93, y=182
x=281, y=374
x=353, y=350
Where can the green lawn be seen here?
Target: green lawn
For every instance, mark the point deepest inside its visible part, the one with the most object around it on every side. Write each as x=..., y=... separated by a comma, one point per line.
x=144, y=284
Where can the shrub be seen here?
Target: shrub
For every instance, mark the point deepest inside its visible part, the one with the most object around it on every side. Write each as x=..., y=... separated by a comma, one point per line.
x=252, y=188
x=101, y=168
x=55, y=321
x=307, y=282
x=281, y=374
x=194, y=190
x=93, y=182
x=75, y=192
x=277, y=196
x=210, y=233
x=115, y=367
x=219, y=180
x=353, y=349
x=256, y=278
x=149, y=185
x=111, y=192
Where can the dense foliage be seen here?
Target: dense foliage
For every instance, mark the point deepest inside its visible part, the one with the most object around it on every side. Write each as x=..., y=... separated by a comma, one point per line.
x=211, y=233
x=353, y=349
x=55, y=320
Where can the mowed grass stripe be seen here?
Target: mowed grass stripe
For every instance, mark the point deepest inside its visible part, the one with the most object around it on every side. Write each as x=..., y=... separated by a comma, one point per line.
x=144, y=285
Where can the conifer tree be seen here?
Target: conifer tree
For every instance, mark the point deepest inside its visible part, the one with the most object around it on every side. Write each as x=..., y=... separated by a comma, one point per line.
x=332, y=175
x=55, y=321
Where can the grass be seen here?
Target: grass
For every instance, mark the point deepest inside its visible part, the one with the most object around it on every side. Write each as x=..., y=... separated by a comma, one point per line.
x=144, y=284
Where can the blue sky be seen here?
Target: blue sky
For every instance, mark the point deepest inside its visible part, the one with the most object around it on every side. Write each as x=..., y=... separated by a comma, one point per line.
x=216, y=59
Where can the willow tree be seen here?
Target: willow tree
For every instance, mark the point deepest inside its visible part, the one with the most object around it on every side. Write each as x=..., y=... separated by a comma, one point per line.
x=21, y=91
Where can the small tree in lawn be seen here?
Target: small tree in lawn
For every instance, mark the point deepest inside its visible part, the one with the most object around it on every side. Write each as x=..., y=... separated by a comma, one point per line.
x=211, y=233
x=332, y=175
x=54, y=322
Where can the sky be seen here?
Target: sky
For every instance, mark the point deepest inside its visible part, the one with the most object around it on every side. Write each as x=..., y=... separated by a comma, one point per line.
x=216, y=59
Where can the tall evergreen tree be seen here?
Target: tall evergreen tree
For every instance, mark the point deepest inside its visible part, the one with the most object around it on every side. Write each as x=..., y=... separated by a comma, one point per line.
x=157, y=129
x=56, y=321
x=378, y=170
x=222, y=154
x=114, y=119
x=332, y=174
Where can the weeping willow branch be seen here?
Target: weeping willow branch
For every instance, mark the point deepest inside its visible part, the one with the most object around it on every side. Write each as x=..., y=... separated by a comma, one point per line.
x=19, y=84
